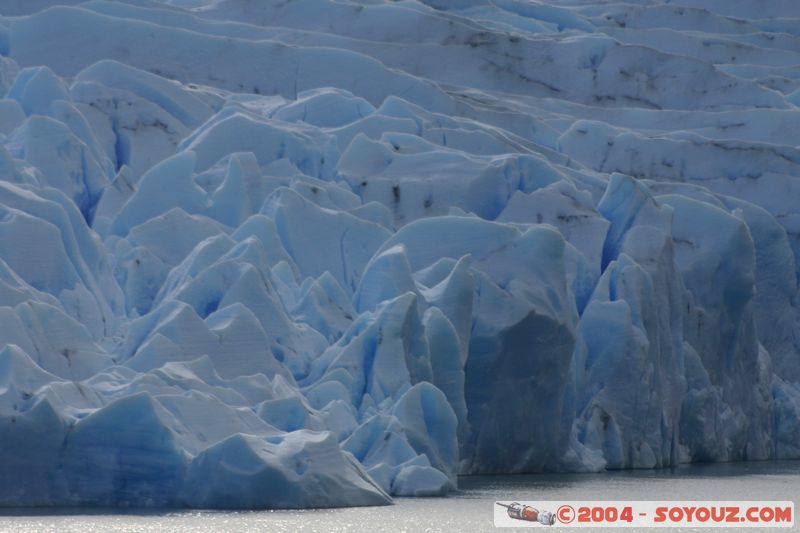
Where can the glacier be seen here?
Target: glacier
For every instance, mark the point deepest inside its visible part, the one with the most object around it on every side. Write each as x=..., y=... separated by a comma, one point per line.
x=322, y=253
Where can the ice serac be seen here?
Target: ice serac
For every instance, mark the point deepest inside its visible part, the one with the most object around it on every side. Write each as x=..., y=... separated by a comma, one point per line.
x=297, y=470
x=128, y=451
x=717, y=259
x=526, y=347
x=630, y=378
x=320, y=239
x=318, y=253
x=33, y=437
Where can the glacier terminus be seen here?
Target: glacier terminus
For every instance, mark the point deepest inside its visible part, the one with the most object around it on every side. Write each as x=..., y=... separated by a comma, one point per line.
x=320, y=253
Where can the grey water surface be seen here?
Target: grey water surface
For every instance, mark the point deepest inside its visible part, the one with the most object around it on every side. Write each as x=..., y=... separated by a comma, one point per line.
x=469, y=509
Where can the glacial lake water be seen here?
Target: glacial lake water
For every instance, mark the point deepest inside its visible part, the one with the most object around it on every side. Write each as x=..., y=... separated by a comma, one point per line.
x=469, y=509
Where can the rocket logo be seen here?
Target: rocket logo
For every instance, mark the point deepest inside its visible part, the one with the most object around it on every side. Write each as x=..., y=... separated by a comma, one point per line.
x=527, y=513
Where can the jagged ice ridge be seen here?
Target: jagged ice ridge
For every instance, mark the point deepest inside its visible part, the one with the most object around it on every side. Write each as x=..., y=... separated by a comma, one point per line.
x=326, y=252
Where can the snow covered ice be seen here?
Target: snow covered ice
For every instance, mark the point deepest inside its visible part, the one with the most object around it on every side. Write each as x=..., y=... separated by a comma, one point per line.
x=327, y=252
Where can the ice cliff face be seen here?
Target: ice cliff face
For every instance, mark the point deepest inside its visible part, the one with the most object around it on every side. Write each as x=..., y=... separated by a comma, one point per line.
x=320, y=253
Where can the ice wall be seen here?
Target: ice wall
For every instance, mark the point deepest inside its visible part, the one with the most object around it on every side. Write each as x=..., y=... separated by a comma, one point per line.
x=323, y=253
